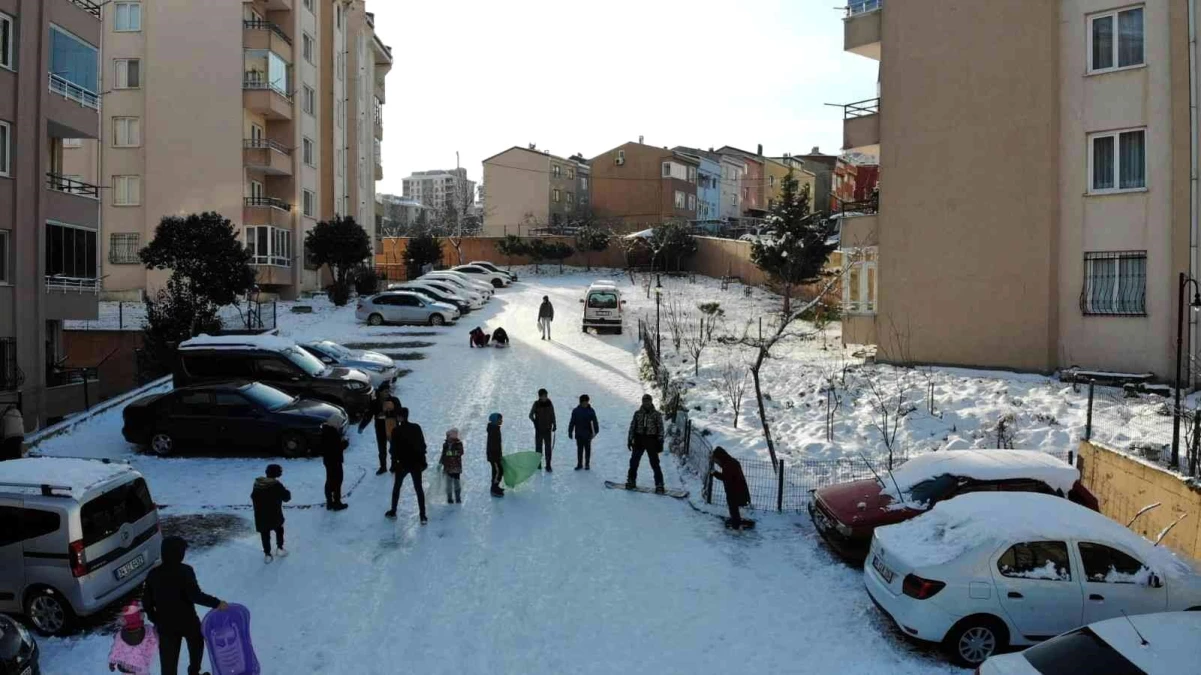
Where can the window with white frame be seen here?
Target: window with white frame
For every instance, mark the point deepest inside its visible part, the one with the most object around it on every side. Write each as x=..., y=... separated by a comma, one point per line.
x=127, y=132
x=859, y=288
x=123, y=248
x=691, y=202
x=771, y=181
x=666, y=169
x=70, y=251
x=72, y=142
x=1116, y=40
x=4, y=234
x=681, y=201
x=570, y=199
x=269, y=245
x=691, y=174
x=307, y=47
x=129, y=73
x=1115, y=283
x=554, y=195
x=584, y=182
x=309, y=203
x=309, y=100
x=308, y=4
x=128, y=18
x=307, y=152
x=8, y=40
x=6, y=136
x=127, y=190
x=1118, y=160
x=556, y=171
x=571, y=173
x=621, y=157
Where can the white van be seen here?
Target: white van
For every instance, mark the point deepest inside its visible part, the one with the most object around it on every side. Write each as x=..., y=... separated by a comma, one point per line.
x=602, y=307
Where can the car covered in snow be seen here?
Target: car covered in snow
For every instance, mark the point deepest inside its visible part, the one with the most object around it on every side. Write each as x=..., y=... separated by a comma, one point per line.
x=239, y=416
x=497, y=279
x=380, y=368
x=464, y=281
x=846, y=514
x=1165, y=643
x=405, y=306
x=989, y=570
x=489, y=266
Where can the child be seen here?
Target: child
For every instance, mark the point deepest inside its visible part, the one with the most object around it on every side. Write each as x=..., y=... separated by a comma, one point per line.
x=452, y=465
x=268, y=498
x=494, y=453
x=478, y=338
x=500, y=338
x=737, y=492
x=135, y=647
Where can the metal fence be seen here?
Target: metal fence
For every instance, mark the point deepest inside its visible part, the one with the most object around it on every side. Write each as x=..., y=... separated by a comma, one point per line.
x=1147, y=431
x=670, y=402
x=253, y=316
x=246, y=317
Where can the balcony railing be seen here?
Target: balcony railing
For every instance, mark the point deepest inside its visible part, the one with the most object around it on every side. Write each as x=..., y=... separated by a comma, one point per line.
x=269, y=202
x=71, y=186
x=87, y=6
x=264, y=144
x=864, y=108
x=260, y=24
x=856, y=7
x=58, y=282
x=76, y=93
x=256, y=80
x=866, y=206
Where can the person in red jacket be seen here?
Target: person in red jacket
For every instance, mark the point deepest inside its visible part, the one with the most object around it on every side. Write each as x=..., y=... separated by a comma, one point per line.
x=478, y=338
x=737, y=492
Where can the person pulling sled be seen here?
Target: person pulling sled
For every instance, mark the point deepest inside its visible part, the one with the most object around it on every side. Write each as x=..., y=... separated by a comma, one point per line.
x=495, y=455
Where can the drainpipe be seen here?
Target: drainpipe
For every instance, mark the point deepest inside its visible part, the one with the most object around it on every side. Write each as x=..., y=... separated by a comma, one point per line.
x=1194, y=125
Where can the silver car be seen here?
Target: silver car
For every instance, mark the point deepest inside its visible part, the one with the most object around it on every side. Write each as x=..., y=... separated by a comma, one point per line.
x=381, y=369
x=404, y=307
x=76, y=535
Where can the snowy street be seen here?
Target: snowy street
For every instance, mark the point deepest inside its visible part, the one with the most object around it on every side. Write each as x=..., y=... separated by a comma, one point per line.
x=560, y=576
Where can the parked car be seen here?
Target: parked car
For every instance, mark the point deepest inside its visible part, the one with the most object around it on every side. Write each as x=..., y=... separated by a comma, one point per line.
x=472, y=295
x=239, y=415
x=497, y=279
x=404, y=307
x=76, y=535
x=1146, y=644
x=489, y=266
x=434, y=295
x=380, y=368
x=846, y=514
x=986, y=570
x=18, y=649
x=464, y=280
x=274, y=361
x=602, y=307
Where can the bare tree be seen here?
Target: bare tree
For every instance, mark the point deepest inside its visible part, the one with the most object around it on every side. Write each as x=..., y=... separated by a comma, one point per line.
x=676, y=319
x=731, y=383
x=889, y=399
x=695, y=340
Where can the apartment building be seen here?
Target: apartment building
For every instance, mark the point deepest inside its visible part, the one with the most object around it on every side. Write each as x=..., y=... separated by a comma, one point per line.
x=1035, y=208
x=854, y=186
x=397, y=214
x=644, y=185
x=530, y=188
x=50, y=222
x=441, y=190
x=708, y=185
x=822, y=167
x=776, y=169
x=752, y=183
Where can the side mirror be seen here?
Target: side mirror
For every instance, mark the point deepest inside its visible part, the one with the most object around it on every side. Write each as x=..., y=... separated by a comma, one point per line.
x=326, y=359
x=581, y=301
x=1154, y=581
x=623, y=302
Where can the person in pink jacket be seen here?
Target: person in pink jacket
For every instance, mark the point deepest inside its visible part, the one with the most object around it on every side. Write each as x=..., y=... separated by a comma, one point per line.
x=135, y=647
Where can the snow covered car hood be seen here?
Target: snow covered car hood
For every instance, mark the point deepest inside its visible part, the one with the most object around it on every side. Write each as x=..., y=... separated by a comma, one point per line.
x=862, y=503
x=374, y=358
x=348, y=374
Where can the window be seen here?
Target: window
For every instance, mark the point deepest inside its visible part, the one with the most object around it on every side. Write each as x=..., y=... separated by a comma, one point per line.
x=70, y=251
x=1111, y=49
x=72, y=142
x=127, y=132
x=338, y=15
x=309, y=100
x=309, y=202
x=74, y=62
x=621, y=157
x=571, y=173
x=308, y=4
x=1043, y=560
x=771, y=181
x=307, y=145
x=6, y=131
x=691, y=202
x=1118, y=161
x=584, y=182
x=18, y=524
x=127, y=190
x=666, y=169
x=746, y=193
x=123, y=248
x=691, y=175
x=307, y=47
x=129, y=73
x=256, y=133
x=194, y=402
x=680, y=200
x=1106, y=565
x=256, y=189
x=232, y=404
x=269, y=246
x=554, y=195
x=1115, y=283
x=4, y=257
x=7, y=42
x=1079, y=651
x=129, y=17
x=859, y=289
x=556, y=171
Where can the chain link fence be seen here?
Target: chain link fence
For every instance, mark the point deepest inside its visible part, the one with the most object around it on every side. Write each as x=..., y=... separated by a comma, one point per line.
x=1145, y=431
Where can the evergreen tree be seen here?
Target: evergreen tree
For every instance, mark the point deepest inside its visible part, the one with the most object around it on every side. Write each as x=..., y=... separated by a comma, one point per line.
x=423, y=249
x=511, y=246
x=342, y=244
x=590, y=239
x=799, y=245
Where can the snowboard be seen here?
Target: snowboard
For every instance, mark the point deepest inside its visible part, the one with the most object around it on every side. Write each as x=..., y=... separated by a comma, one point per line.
x=669, y=492
x=227, y=636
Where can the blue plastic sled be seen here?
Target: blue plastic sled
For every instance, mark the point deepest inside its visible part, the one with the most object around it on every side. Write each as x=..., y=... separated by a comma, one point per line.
x=227, y=636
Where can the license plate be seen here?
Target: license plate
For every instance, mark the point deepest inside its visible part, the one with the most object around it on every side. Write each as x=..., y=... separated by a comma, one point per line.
x=884, y=572
x=820, y=520
x=130, y=567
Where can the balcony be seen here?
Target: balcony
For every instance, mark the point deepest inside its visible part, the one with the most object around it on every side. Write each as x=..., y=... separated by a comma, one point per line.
x=267, y=156
x=861, y=28
x=260, y=96
x=279, y=5
x=71, y=110
x=72, y=201
x=267, y=211
x=87, y=6
x=861, y=126
x=72, y=298
x=260, y=34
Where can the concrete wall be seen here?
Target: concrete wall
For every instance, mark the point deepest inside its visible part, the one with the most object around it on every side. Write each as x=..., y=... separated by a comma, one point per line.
x=726, y=257
x=518, y=184
x=115, y=348
x=484, y=248
x=1125, y=485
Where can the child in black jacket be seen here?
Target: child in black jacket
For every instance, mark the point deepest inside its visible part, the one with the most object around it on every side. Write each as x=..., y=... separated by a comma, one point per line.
x=268, y=497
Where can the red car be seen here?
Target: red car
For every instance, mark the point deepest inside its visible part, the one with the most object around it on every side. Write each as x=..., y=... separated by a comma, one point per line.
x=846, y=514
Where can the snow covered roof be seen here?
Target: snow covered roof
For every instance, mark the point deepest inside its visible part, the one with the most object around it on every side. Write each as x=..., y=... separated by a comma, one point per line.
x=270, y=342
x=967, y=522
x=604, y=282
x=983, y=465
x=75, y=475
x=1172, y=638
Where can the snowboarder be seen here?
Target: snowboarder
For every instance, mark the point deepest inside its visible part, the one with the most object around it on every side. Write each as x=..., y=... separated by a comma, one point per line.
x=646, y=436
x=500, y=338
x=546, y=314
x=495, y=455
x=135, y=645
x=332, y=448
x=583, y=426
x=408, y=457
x=452, y=466
x=170, y=598
x=383, y=410
x=737, y=492
x=542, y=414
x=268, y=497
x=478, y=338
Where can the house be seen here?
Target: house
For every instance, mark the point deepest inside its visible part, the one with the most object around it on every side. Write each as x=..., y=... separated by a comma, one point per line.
x=752, y=185
x=532, y=189
x=854, y=184
x=822, y=167
x=708, y=187
x=645, y=185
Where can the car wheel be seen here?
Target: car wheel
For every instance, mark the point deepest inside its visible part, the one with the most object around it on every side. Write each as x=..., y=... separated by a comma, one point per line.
x=437, y=320
x=375, y=320
x=497, y=283
x=293, y=445
x=974, y=639
x=162, y=444
x=49, y=612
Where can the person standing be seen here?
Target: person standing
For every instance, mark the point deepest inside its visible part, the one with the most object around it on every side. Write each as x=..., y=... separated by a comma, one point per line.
x=583, y=426
x=12, y=431
x=268, y=497
x=408, y=458
x=383, y=410
x=542, y=414
x=333, y=446
x=737, y=492
x=495, y=454
x=452, y=464
x=546, y=314
x=170, y=598
x=646, y=436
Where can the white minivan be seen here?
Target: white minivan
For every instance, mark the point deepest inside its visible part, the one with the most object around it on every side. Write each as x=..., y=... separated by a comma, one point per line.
x=602, y=307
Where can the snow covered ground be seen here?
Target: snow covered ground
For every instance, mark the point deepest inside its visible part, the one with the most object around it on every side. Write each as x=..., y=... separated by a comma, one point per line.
x=562, y=575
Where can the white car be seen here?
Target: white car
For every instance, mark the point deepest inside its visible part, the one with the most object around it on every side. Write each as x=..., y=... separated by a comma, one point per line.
x=464, y=280
x=471, y=296
x=497, y=279
x=381, y=369
x=403, y=307
x=991, y=569
x=1151, y=644
x=489, y=266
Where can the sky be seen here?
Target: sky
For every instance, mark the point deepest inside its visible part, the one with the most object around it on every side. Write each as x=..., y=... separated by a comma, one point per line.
x=480, y=76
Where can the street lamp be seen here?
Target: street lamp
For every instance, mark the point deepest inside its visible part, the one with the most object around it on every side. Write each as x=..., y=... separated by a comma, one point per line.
x=658, y=334
x=1185, y=280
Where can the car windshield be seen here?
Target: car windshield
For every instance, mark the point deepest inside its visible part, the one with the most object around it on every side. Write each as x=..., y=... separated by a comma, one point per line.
x=268, y=397
x=304, y=360
x=336, y=349
x=603, y=300
x=933, y=489
x=1080, y=651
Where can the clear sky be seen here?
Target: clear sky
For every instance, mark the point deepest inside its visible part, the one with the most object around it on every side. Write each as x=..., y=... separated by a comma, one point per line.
x=480, y=76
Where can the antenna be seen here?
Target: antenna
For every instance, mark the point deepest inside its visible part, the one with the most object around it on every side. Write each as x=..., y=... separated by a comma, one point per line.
x=894, y=480
x=1143, y=510
x=1168, y=529
x=1144, y=642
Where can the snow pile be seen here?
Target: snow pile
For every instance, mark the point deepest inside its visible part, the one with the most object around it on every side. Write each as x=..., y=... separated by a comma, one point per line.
x=77, y=475
x=983, y=465
x=270, y=342
x=1048, y=572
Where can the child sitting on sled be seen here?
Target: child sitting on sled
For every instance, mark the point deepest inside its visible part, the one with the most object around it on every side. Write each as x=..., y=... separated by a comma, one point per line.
x=135, y=647
x=478, y=337
x=500, y=338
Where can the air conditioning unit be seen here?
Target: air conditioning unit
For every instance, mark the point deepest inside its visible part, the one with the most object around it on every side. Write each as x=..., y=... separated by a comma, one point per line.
x=619, y=161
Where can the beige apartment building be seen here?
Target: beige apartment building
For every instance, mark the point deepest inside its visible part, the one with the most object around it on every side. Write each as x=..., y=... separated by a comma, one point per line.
x=220, y=107
x=531, y=188
x=1035, y=208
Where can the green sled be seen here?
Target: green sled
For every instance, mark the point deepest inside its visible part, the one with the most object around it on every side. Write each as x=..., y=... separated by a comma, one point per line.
x=519, y=466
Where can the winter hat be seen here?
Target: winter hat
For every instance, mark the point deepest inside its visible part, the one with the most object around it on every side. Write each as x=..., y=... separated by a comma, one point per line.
x=274, y=471
x=173, y=549
x=131, y=616
x=584, y=398
x=494, y=418
x=453, y=434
